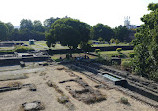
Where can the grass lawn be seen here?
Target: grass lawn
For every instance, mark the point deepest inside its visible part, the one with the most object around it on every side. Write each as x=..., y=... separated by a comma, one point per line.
x=57, y=56
x=110, y=53
x=103, y=45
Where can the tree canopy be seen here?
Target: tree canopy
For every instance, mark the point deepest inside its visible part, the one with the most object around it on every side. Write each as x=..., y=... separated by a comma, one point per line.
x=69, y=32
x=121, y=33
x=3, y=31
x=145, y=61
x=49, y=22
x=26, y=24
x=102, y=31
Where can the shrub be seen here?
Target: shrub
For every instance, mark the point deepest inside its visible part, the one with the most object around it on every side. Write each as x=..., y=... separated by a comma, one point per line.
x=117, y=41
x=121, y=55
x=126, y=65
x=63, y=99
x=97, y=50
x=131, y=55
x=23, y=49
x=124, y=100
x=119, y=50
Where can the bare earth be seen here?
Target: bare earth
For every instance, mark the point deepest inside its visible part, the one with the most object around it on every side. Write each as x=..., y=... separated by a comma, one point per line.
x=12, y=100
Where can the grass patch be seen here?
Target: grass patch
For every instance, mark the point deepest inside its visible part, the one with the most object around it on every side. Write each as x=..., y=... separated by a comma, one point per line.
x=124, y=101
x=104, y=45
x=22, y=49
x=113, y=53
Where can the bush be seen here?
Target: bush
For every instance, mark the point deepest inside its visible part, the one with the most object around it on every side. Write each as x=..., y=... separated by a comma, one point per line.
x=126, y=65
x=119, y=50
x=121, y=55
x=124, y=100
x=23, y=49
x=97, y=50
x=131, y=55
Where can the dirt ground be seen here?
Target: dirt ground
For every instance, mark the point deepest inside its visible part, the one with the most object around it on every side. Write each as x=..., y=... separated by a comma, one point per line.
x=12, y=100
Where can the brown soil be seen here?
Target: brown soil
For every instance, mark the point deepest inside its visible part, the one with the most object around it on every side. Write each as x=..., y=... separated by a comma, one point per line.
x=12, y=100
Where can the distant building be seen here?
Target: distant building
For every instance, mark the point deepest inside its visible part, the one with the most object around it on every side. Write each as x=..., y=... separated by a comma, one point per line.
x=127, y=23
x=16, y=27
x=31, y=42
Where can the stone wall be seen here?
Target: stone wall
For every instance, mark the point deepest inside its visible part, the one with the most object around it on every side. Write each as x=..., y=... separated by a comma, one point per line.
x=16, y=61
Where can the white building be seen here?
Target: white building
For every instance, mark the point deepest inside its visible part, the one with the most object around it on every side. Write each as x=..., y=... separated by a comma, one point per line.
x=127, y=23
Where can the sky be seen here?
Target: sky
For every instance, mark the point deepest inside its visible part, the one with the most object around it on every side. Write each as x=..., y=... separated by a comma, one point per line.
x=107, y=12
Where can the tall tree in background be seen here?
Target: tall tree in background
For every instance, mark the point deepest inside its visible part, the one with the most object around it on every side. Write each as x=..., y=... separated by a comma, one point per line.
x=49, y=22
x=10, y=27
x=145, y=61
x=121, y=33
x=37, y=25
x=26, y=24
x=69, y=32
x=102, y=31
x=3, y=31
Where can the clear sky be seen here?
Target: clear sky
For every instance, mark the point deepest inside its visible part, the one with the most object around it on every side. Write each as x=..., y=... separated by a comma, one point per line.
x=108, y=12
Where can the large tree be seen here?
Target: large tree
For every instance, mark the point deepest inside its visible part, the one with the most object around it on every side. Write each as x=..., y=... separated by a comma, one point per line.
x=69, y=32
x=121, y=33
x=49, y=22
x=3, y=31
x=145, y=61
x=38, y=26
x=101, y=31
x=26, y=24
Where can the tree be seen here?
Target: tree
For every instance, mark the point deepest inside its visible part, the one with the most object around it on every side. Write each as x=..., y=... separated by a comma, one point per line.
x=49, y=22
x=10, y=27
x=145, y=61
x=26, y=24
x=3, y=31
x=153, y=6
x=102, y=31
x=112, y=40
x=38, y=26
x=121, y=33
x=117, y=41
x=69, y=32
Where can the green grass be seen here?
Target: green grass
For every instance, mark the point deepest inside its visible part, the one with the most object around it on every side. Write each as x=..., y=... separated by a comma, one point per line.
x=41, y=45
x=57, y=56
x=110, y=53
x=104, y=45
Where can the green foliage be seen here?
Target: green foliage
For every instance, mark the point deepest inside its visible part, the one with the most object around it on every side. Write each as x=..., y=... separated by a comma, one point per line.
x=69, y=32
x=117, y=41
x=49, y=22
x=121, y=33
x=126, y=64
x=100, y=39
x=145, y=61
x=124, y=100
x=26, y=24
x=37, y=25
x=152, y=6
x=112, y=40
x=22, y=49
x=121, y=55
x=97, y=51
x=119, y=50
x=28, y=30
x=86, y=46
x=101, y=31
x=3, y=31
x=131, y=55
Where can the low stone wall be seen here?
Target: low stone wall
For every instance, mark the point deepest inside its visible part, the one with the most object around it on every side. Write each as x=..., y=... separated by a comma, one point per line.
x=107, y=48
x=113, y=48
x=16, y=61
